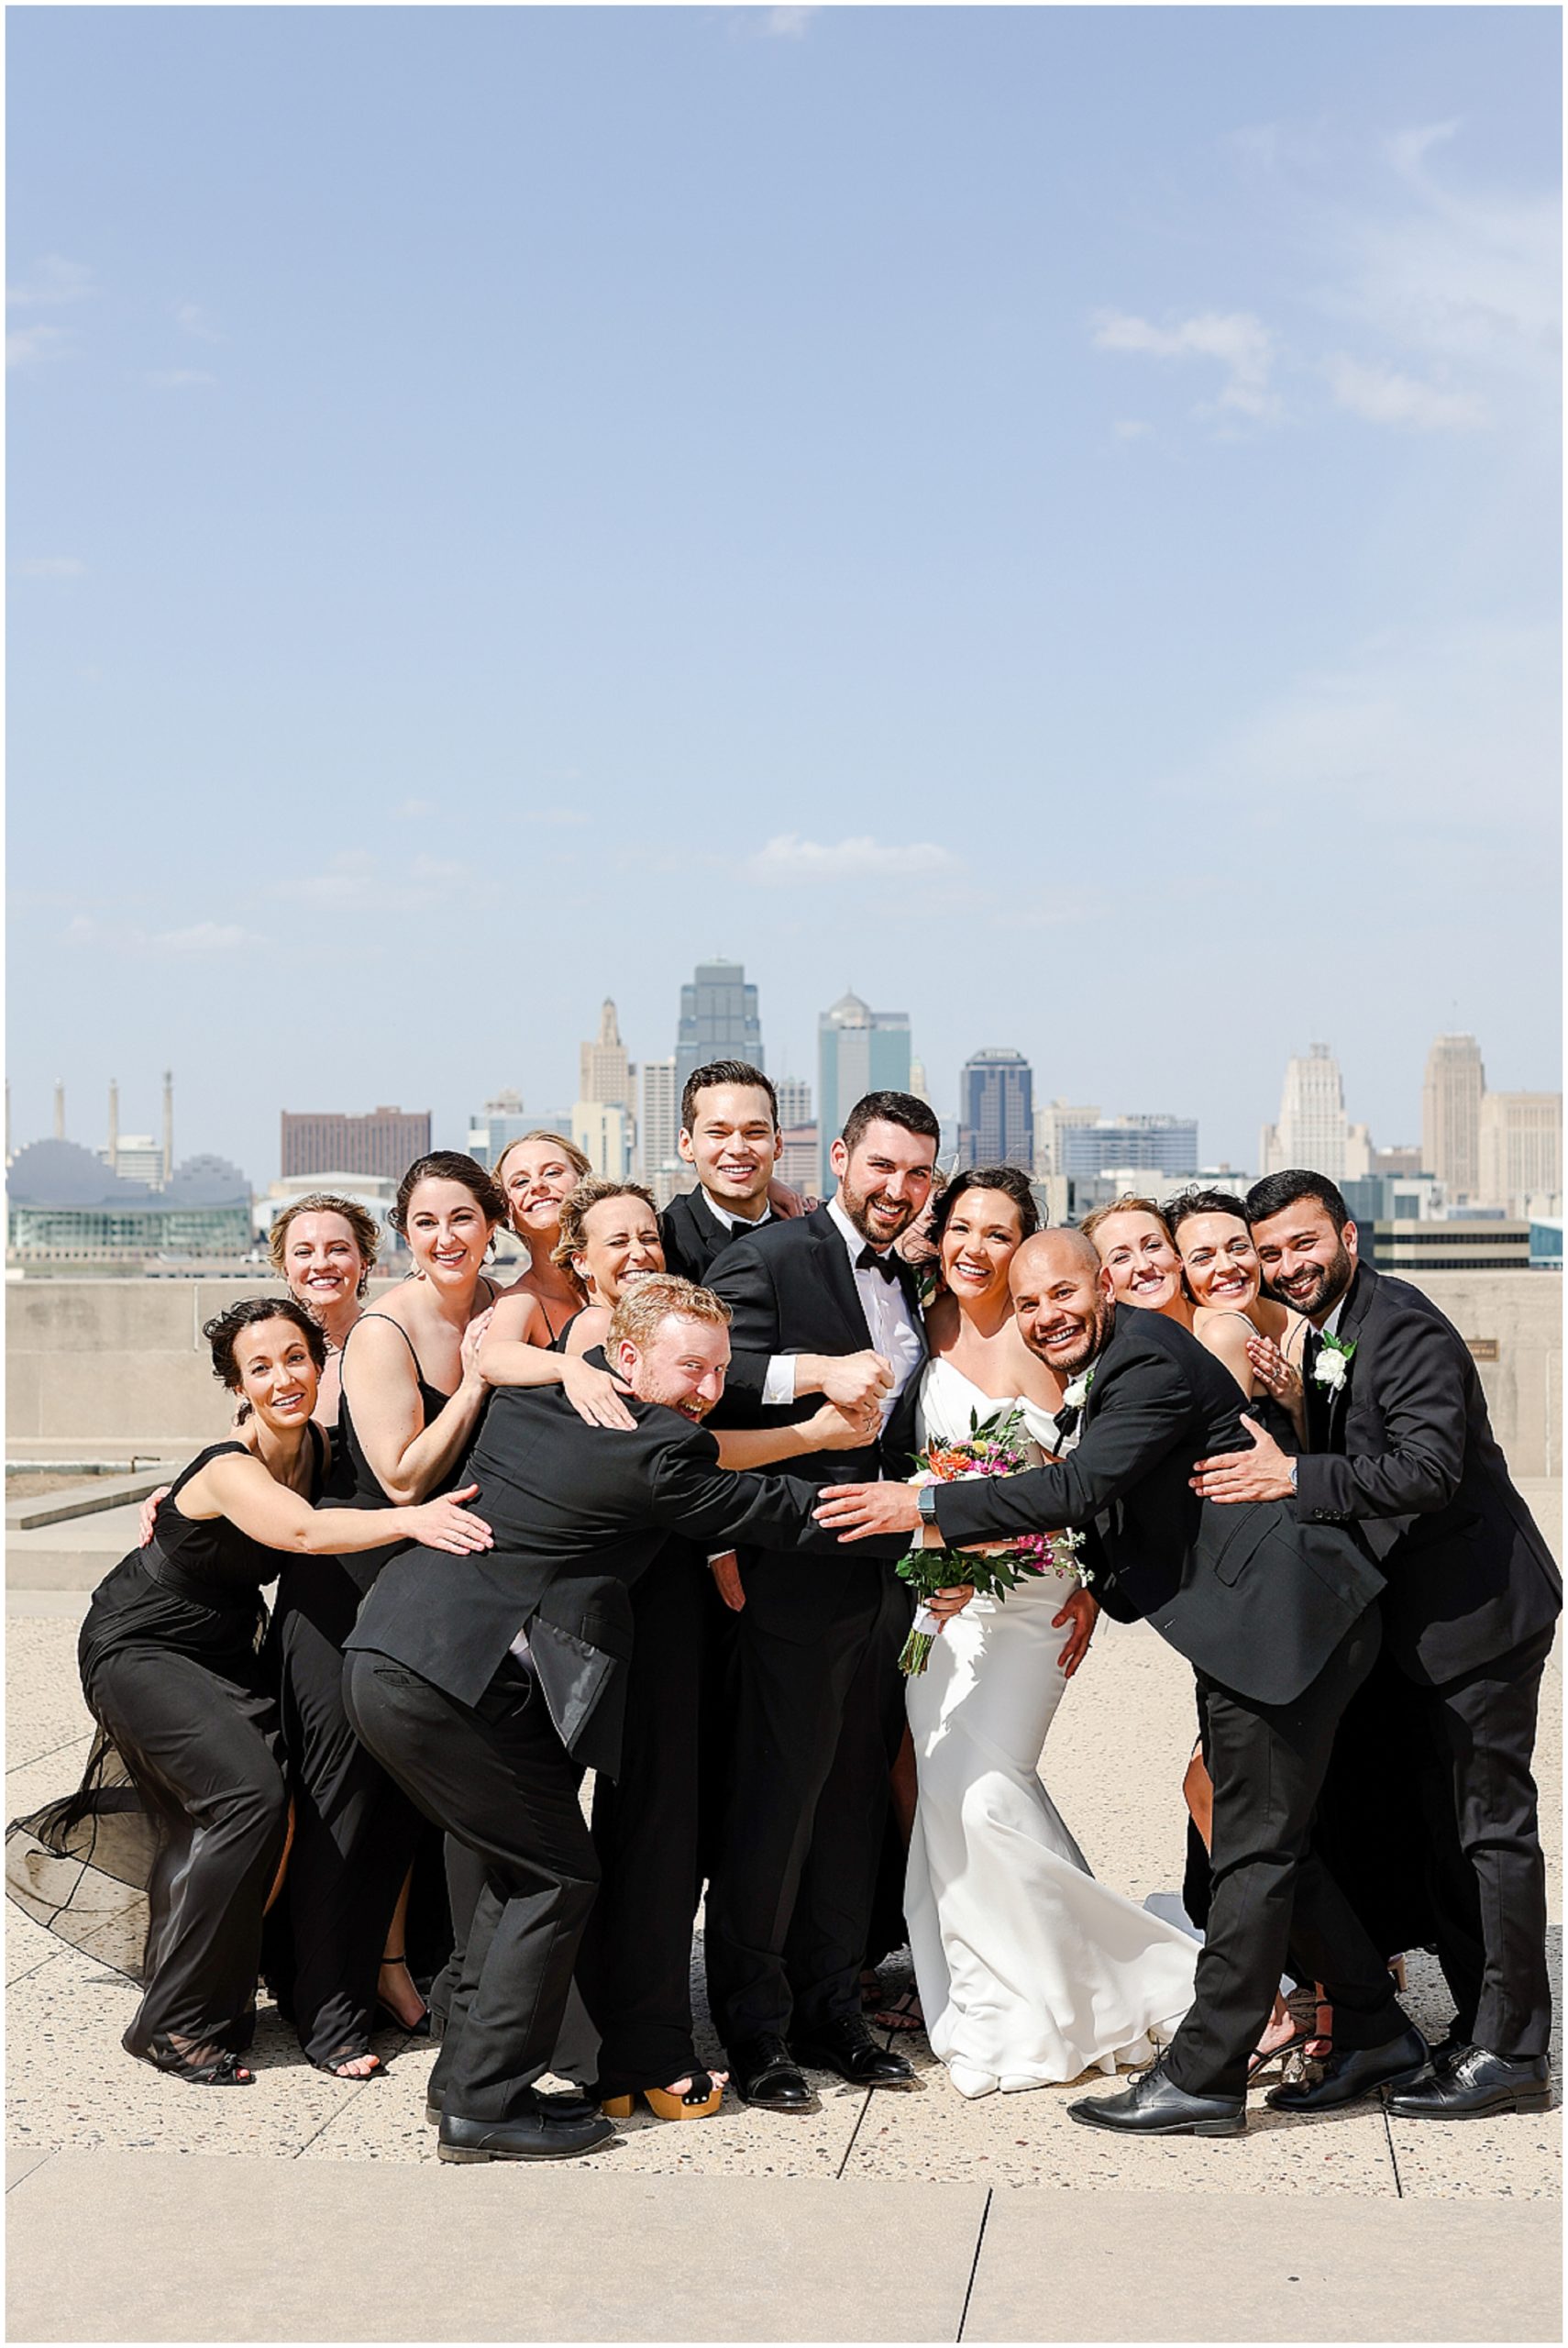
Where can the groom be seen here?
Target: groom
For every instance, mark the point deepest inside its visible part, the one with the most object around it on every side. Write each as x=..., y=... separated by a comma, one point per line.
x=1279, y=1622
x=822, y=1304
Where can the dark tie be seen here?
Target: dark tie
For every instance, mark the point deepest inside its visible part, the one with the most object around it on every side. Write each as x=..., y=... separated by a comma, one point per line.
x=868, y=1261
x=1316, y=1400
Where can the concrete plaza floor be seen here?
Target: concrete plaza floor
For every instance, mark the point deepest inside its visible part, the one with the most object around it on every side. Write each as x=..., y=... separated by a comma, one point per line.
x=309, y=2208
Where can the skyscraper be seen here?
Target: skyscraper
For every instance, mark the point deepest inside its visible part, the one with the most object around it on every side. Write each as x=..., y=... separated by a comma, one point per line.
x=386, y=1142
x=1051, y=1124
x=494, y=1128
x=1139, y=1144
x=1312, y=1128
x=1451, y=1115
x=718, y=1020
x=794, y=1100
x=1521, y=1149
x=663, y=1170
x=996, y=1108
x=604, y=1074
x=859, y=1050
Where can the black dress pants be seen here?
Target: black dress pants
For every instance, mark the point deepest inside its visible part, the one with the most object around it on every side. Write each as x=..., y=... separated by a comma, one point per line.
x=498, y=1778
x=634, y=1970
x=200, y=1745
x=1270, y=1889
x=789, y=1904
x=354, y=1830
x=1489, y=1882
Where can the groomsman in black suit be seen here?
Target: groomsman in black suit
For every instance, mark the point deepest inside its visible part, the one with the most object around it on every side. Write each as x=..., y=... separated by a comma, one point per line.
x=1400, y=1445
x=1280, y=1623
x=485, y=1693
x=729, y=1132
x=822, y=1304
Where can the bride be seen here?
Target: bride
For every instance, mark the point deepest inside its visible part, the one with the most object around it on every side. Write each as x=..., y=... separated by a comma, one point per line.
x=1030, y=1972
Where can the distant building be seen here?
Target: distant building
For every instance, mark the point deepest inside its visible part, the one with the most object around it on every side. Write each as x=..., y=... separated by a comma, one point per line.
x=64, y=1206
x=136, y=1157
x=1312, y=1129
x=1520, y=1149
x=801, y=1159
x=1451, y=1115
x=602, y=1131
x=494, y=1128
x=386, y=1142
x=1157, y=1145
x=660, y=1161
x=859, y=1050
x=376, y=1194
x=996, y=1108
x=1404, y=1158
x=718, y=1020
x=795, y=1101
x=1051, y=1122
x=1392, y=1197
x=1458, y=1244
x=918, y=1084
x=1546, y=1243
x=605, y=1072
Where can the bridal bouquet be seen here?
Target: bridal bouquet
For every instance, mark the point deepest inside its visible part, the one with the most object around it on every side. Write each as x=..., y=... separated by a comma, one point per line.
x=995, y=1446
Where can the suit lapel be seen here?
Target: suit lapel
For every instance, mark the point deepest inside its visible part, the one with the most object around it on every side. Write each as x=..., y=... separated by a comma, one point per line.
x=833, y=1261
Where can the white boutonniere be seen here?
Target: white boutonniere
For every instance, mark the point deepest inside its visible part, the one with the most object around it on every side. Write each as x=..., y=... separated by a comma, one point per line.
x=1075, y=1395
x=1333, y=1366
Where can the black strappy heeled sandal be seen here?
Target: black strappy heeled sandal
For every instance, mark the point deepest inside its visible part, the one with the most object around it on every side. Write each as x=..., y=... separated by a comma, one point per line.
x=223, y=2069
x=419, y=2029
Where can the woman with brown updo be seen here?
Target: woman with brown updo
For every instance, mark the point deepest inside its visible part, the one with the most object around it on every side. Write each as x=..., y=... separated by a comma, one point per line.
x=536, y=1176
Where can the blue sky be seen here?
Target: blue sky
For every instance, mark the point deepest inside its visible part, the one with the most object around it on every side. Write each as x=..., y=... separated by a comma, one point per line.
x=1048, y=516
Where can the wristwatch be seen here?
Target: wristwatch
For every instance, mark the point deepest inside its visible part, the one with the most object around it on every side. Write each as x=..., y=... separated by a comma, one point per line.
x=927, y=1500
x=1293, y=1479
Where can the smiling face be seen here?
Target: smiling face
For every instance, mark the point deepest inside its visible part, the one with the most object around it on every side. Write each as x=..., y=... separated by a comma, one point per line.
x=536, y=1176
x=1219, y=1260
x=885, y=1180
x=982, y=1235
x=277, y=1376
x=1064, y=1316
x=1141, y=1266
x=1305, y=1262
x=321, y=1262
x=620, y=1246
x=733, y=1143
x=448, y=1232
x=683, y=1365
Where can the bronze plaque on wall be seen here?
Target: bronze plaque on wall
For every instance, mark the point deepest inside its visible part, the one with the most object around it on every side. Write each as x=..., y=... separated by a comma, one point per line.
x=1483, y=1349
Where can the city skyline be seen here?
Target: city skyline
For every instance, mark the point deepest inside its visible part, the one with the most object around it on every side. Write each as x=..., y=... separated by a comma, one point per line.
x=1073, y=555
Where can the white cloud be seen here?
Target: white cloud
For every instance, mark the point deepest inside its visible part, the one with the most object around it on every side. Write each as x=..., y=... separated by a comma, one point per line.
x=408, y=810
x=25, y=346
x=180, y=379
x=204, y=937
x=1383, y=396
x=52, y=281
x=1237, y=340
x=51, y=566
x=1130, y=427
x=197, y=323
x=788, y=859
x=780, y=24
x=353, y=882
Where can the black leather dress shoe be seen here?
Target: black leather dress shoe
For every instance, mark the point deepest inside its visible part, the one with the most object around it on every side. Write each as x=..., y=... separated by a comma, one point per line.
x=541, y=2135
x=1355, y=2072
x=1475, y=2082
x=1154, y=2106
x=763, y=2071
x=848, y=2048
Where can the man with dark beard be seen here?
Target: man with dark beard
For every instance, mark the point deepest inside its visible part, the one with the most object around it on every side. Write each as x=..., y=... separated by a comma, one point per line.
x=1399, y=1444
x=817, y=1701
x=1279, y=1622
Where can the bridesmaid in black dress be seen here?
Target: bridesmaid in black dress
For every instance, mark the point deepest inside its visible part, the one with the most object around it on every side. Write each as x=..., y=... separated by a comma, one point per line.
x=413, y=1395
x=173, y=1669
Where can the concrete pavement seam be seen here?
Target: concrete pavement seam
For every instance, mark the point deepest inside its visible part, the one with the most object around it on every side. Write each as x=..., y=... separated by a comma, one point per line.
x=355, y=2087
x=1393, y=2155
x=859, y=2118
x=81, y=1737
x=975, y=2262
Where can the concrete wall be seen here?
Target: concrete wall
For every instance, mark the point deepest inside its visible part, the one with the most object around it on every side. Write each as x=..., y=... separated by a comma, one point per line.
x=105, y=1368
x=101, y=1369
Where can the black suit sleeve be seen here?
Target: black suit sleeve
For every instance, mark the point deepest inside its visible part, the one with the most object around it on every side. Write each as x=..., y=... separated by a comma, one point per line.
x=742, y=1276
x=1421, y=1399
x=711, y=1505
x=1140, y=1416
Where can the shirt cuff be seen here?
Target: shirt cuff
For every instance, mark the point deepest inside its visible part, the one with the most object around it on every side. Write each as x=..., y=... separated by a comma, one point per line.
x=779, y=1386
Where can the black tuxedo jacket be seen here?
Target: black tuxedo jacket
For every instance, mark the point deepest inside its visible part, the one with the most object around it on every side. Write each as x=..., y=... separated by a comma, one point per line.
x=578, y=1513
x=791, y=1287
x=1255, y=1600
x=693, y=1236
x=1404, y=1450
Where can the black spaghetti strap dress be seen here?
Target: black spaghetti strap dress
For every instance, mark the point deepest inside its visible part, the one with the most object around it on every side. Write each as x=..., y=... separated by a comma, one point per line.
x=429, y=1923
x=185, y=1785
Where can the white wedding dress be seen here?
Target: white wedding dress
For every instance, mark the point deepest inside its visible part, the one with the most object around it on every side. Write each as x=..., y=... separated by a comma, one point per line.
x=1029, y=1971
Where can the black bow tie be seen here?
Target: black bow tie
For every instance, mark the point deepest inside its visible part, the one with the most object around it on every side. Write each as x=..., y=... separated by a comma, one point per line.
x=868, y=1261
